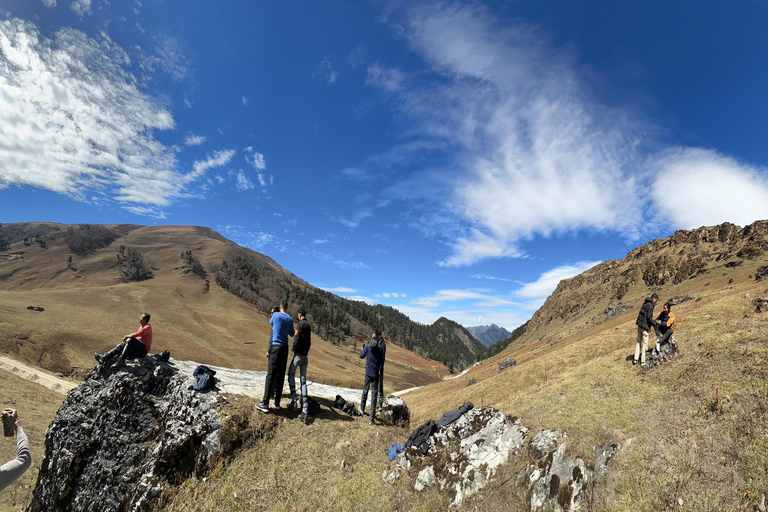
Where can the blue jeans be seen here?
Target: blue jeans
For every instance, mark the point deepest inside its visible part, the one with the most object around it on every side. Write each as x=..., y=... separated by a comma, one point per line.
x=301, y=362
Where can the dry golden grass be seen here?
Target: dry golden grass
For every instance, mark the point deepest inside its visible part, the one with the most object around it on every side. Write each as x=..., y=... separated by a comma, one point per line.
x=88, y=310
x=37, y=407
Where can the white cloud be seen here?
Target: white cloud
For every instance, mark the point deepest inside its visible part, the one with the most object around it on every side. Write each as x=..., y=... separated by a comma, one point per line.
x=187, y=102
x=698, y=187
x=245, y=101
x=480, y=299
x=242, y=182
x=193, y=140
x=388, y=79
x=537, y=152
x=356, y=219
x=167, y=55
x=326, y=71
x=395, y=295
x=320, y=241
x=218, y=159
x=74, y=121
x=340, y=289
x=387, y=295
x=361, y=298
x=81, y=7
x=492, y=278
x=548, y=281
x=49, y=3
x=259, y=163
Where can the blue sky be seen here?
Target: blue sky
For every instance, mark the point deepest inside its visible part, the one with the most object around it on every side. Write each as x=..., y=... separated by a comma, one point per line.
x=446, y=158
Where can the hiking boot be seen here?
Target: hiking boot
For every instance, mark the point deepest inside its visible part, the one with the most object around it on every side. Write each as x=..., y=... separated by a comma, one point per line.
x=292, y=405
x=634, y=362
x=277, y=406
x=97, y=356
x=370, y=421
x=303, y=418
x=263, y=407
x=642, y=364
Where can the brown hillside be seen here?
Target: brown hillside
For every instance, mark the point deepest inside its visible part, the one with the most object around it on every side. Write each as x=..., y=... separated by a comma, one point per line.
x=88, y=308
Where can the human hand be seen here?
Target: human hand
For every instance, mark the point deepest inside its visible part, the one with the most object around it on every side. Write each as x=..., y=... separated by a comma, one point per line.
x=267, y=354
x=13, y=417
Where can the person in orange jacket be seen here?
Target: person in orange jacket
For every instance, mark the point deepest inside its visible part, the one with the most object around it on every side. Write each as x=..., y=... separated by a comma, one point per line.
x=664, y=325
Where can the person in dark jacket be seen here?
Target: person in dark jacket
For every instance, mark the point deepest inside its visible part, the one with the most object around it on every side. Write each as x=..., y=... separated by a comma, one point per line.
x=644, y=323
x=374, y=362
x=381, y=372
x=664, y=325
x=300, y=348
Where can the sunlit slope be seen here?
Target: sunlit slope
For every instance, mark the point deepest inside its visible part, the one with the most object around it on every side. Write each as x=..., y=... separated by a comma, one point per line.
x=88, y=308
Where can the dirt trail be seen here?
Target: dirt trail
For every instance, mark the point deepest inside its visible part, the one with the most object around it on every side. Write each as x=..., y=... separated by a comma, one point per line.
x=36, y=375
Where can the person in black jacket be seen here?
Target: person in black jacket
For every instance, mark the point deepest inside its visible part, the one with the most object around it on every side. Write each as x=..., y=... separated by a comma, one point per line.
x=644, y=324
x=381, y=372
x=374, y=362
x=300, y=360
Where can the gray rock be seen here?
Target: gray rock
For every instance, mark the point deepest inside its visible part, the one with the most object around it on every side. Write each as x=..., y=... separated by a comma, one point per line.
x=471, y=381
x=680, y=299
x=762, y=273
x=426, y=478
x=120, y=437
x=561, y=485
x=667, y=352
x=507, y=363
x=612, y=311
x=543, y=443
x=394, y=412
x=464, y=455
x=604, y=456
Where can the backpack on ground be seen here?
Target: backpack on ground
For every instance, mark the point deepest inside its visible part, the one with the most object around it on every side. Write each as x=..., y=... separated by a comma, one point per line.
x=204, y=378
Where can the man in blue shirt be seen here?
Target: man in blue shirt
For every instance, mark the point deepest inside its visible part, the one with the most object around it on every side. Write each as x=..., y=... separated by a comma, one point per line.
x=282, y=327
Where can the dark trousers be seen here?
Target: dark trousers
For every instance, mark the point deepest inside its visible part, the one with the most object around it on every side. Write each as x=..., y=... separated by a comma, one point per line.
x=663, y=338
x=278, y=359
x=373, y=384
x=381, y=387
x=132, y=348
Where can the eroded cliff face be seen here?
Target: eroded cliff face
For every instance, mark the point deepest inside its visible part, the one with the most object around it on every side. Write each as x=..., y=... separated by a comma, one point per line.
x=657, y=264
x=122, y=436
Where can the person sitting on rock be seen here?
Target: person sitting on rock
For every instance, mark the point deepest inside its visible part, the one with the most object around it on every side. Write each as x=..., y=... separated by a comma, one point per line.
x=133, y=345
x=664, y=325
x=12, y=470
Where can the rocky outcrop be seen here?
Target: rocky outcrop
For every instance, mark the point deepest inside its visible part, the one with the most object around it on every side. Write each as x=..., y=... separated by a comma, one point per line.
x=394, y=412
x=674, y=301
x=761, y=304
x=122, y=436
x=657, y=264
x=507, y=363
x=762, y=273
x=464, y=455
x=555, y=481
x=667, y=352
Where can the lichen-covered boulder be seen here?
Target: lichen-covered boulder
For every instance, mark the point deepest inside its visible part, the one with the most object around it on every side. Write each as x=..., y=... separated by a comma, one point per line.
x=123, y=435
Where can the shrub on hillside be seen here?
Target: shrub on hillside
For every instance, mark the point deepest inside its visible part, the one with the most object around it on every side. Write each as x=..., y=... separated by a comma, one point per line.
x=86, y=239
x=4, y=244
x=132, y=265
x=192, y=264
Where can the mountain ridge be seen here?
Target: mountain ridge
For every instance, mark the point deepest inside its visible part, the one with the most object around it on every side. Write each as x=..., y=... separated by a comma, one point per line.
x=489, y=335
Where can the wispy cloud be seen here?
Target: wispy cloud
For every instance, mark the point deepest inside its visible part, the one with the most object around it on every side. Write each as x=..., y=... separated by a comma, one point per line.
x=388, y=79
x=242, y=182
x=257, y=161
x=479, y=299
x=167, y=54
x=98, y=138
x=254, y=238
x=245, y=101
x=80, y=7
x=218, y=159
x=534, y=149
x=193, y=140
x=491, y=278
x=340, y=289
x=356, y=218
x=326, y=70
x=49, y=3
x=548, y=281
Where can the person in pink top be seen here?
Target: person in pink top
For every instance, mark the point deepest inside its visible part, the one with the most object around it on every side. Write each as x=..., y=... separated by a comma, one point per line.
x=133, y=345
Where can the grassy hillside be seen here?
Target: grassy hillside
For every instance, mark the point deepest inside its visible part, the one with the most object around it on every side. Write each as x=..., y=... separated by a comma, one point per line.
x=88, y=307
x=37, y=407
x=693, y=431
